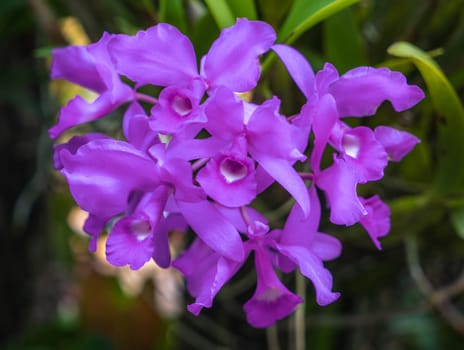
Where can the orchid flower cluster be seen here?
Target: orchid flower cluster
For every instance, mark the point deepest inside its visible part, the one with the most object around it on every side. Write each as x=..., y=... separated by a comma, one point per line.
x=197, y=156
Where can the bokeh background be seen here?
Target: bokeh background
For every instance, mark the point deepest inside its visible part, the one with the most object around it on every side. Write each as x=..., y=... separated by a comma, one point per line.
x=410, y=295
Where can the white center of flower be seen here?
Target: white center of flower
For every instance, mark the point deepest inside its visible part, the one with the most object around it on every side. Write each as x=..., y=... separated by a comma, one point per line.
x=141, y=229
x=270, y=295
x=182, y=105
x=232, y=170
x=351, y=145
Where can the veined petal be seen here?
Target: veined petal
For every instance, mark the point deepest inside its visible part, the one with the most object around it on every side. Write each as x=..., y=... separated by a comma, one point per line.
x=397, y=143
x=360, y=91
x=161, y=55
x=232, y=60
x=298, y=68
x=213, y=229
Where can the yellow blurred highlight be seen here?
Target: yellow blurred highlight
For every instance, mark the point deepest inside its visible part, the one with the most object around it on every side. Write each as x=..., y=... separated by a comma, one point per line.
x=64, y=91
x=73, y=31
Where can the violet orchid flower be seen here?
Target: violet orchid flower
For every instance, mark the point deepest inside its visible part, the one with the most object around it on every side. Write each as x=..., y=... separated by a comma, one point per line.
x=362, y=154
x=166, y=176
x=270, y=138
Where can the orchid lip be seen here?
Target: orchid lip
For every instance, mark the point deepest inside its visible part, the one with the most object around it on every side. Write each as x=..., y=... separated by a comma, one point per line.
x=182, y=105
x=270, y=295
x=232, y=170
x=351, y=145
x=141, y=229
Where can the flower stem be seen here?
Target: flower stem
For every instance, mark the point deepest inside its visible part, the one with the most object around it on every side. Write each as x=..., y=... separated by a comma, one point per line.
x=300, y=327
x=146, y=98
x=272, y=338
x=199, y=163
x=306, y=176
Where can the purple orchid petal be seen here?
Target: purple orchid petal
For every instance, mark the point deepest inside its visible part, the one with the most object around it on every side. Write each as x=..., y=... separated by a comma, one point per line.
x=93, y=226
x=397, y=143
x=103, y=167
x=339, y=183
x=232, y=60
x=79, y=111
x=77, y=65
x=377, y=220
x=272, y=301
x=72, y=146
x=311, y=267
x=270, y=133
x=130, y=242
x=189, y=149
x=360, y=91
x=136, y=128
x=326, y=247
x=282, y=171
x=325, y=77
x=300, y=229
x=163, y=55
x=91, y=67
x=161, y=250
x=225, y=113
x=229, y=177
x=177, y=107
x=213, y=229
x=178, y=173
x=362, y=150
x=234, y=215
x=298, y=68
x=206, y=272
x=325, y=116
x=132, y=239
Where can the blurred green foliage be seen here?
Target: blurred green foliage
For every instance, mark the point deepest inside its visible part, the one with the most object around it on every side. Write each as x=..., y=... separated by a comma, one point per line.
x=410, y=295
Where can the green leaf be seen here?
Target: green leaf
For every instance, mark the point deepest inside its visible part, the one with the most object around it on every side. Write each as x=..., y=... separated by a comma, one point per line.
x=306, y=13
x=450, y=168
x=172, y=12
x=343, y=43
x=243, y=8
x=221, y=12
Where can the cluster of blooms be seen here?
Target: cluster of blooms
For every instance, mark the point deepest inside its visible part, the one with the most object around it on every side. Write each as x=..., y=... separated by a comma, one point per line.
x=202, y=154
